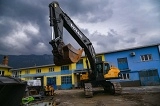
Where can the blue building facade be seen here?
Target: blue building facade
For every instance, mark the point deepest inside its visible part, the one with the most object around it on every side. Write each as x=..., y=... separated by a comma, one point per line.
x=138, y=64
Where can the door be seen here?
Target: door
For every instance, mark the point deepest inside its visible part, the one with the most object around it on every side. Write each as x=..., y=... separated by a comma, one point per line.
x=66, y=82
x=149, y=77
x=99, y=71
x=123, y=63
x=52, y=81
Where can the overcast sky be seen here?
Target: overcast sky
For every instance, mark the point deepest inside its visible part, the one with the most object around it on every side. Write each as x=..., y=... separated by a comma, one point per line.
x=109, y=24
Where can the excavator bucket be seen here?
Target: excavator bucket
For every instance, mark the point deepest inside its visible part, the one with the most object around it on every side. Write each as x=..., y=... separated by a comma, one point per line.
x=70, y=55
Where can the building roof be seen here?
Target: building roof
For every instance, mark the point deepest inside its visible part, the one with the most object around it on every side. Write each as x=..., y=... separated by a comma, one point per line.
x=126, y=49
x=5, y=66
x=138, y=47
x=48, y=65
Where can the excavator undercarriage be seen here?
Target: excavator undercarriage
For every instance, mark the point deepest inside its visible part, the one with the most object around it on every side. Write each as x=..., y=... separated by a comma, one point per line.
x=111, y=87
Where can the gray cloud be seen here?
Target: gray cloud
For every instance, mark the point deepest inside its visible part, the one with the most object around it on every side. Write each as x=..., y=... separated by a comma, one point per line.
x=22, y=17
x=87, y=10
x=110, y=25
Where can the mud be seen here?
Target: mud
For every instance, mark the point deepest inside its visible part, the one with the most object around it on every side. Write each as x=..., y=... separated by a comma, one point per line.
x=127, y=98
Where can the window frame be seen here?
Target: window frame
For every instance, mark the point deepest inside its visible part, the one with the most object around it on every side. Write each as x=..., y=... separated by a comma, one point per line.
x=27, y=71
x=2, y=72
x=98, y=58
x=18, y=73
x=80, y=61
x=66, y=79
x=146, y=57
x=51, y=69
x=122, y=60
x=38, y=70
x=125, y=76
x=66, y=67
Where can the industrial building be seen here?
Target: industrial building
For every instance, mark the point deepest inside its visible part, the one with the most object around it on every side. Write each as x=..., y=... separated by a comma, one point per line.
x=139, y=66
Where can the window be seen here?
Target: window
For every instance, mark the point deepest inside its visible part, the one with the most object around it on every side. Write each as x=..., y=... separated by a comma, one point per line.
x=123, y=63
x=146, y=57
x=66, y=79
x=99, y=67
x=27, y=71
x=51, y=69
x=64, y=67
x=2, y=73
x=106, y=68
x=122, y=60
x=38, y=70
x=20, y=73
x=124, y=75
x=14, y=74
x=80, y=61
x=17, y=74
x=99, y=58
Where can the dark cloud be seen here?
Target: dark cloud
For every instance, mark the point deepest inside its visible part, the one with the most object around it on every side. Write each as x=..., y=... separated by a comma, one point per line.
x=25, y=12
x=24, y=24
x=22, y=11
x=87, y=10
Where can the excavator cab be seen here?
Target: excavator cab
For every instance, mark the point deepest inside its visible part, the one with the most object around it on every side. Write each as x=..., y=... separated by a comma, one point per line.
x=106, y=71
x=65, y=54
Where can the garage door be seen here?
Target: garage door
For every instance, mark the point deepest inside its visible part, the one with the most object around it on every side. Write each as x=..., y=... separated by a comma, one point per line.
x=149, y=77
x=66, y=82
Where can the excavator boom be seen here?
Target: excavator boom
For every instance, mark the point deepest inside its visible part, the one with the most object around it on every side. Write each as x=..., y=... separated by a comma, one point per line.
x=66, y=54
x=63, y=54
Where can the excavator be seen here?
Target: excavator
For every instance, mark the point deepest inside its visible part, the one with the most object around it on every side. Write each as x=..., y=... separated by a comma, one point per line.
x=99, y=74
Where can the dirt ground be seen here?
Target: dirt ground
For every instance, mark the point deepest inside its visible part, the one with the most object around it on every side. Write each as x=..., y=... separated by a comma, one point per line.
x=139, y=98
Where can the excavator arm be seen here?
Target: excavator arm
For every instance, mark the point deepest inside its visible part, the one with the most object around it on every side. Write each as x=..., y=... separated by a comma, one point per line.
x=58, y=20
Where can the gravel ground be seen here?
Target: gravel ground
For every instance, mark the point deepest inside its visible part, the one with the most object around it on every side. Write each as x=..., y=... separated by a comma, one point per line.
x=131, y=96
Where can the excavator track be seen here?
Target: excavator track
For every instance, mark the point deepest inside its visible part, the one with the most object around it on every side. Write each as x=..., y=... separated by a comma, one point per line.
x=117, y=88
x=114, y=89
x=88, y=90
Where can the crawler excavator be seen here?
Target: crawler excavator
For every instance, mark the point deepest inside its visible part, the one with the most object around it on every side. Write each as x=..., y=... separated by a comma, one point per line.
x=99, y=73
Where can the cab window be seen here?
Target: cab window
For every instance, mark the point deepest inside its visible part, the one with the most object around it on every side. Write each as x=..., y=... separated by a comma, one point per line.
x=106, y=68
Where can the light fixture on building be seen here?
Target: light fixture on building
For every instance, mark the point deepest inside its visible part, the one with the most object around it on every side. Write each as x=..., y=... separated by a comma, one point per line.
x=132, y=54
